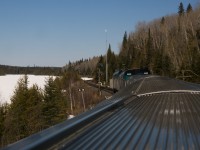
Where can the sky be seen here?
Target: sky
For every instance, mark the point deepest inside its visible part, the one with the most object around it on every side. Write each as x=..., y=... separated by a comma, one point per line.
x=54, y=32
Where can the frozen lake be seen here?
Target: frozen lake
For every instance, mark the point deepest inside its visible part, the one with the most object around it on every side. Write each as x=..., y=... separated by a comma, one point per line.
x=8, y=84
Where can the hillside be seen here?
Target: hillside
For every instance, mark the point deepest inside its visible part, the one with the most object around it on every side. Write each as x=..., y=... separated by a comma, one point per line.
x=167, y=46
x=85, y=67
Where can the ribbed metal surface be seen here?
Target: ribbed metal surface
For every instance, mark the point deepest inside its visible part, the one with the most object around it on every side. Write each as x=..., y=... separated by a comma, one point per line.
x=157, y=83
x=167, y=118
x=169, y=121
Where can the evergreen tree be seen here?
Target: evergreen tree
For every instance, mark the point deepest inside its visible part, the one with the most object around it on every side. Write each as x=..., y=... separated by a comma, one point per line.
x=189, y=8
x=167, y=66
x=100, y=67
x=61, y=99
x=16, y=119
x=181, y=10
x=162, y=21
x=34, y=110
x=131, y=55
x=158, y=63
x=123, y=52
x=109, y=54
x=124, y=42
x=3, y=111
x=149, y=49
x=195, y=61
x=52, y=99
x=2, y=117
x=70, y=66
x=112, y=64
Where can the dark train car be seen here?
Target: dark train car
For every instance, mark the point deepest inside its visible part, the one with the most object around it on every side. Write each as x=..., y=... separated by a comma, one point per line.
x=121, y=78
x=129, y=73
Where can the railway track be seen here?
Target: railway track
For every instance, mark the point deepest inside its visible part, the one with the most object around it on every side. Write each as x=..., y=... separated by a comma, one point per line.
x=99, y=87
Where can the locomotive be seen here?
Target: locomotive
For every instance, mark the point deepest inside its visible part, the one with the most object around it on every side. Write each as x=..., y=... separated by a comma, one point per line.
x=122, y=78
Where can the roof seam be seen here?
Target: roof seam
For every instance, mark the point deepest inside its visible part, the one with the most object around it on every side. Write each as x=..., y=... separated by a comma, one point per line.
x=171, y=91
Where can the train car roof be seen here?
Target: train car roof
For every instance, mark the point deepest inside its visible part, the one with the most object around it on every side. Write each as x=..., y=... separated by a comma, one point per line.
x=152, y=112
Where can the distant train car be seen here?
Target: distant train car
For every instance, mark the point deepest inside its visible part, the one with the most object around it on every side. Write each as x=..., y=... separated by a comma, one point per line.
x=115, y=82
x=129, y=73
x=121, y=78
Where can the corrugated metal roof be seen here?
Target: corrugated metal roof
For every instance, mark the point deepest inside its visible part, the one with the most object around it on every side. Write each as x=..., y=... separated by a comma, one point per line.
x=169, y=121
x=154, y=84
x=157, y=121
x=152, y=112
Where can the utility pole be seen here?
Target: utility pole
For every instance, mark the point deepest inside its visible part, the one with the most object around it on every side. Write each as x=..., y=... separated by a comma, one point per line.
x=82, y=90
x=106, y=59
x=99, y=81
x=70, y=96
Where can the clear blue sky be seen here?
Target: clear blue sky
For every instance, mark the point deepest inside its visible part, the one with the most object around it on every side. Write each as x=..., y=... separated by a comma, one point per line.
x=52, y=32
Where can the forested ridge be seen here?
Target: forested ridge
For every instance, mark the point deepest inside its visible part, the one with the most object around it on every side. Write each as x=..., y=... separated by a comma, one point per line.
x=167, y=46
x=85, y=67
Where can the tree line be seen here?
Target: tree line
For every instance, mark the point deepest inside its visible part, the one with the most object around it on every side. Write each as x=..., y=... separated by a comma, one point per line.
x=85, y=67
x=35, y=70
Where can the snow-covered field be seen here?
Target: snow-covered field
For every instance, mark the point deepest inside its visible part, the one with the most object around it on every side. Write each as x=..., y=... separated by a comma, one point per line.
x=8, y=84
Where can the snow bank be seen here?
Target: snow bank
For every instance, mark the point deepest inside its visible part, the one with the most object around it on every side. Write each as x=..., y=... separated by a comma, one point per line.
x=70, y=116
x=86, y=79
x=8, y=84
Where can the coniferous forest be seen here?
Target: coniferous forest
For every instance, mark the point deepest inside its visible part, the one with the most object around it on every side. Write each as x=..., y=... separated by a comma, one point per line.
x=167, y=46
x=32, y=110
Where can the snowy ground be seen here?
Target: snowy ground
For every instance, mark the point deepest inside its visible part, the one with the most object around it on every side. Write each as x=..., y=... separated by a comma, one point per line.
x=9, y=82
